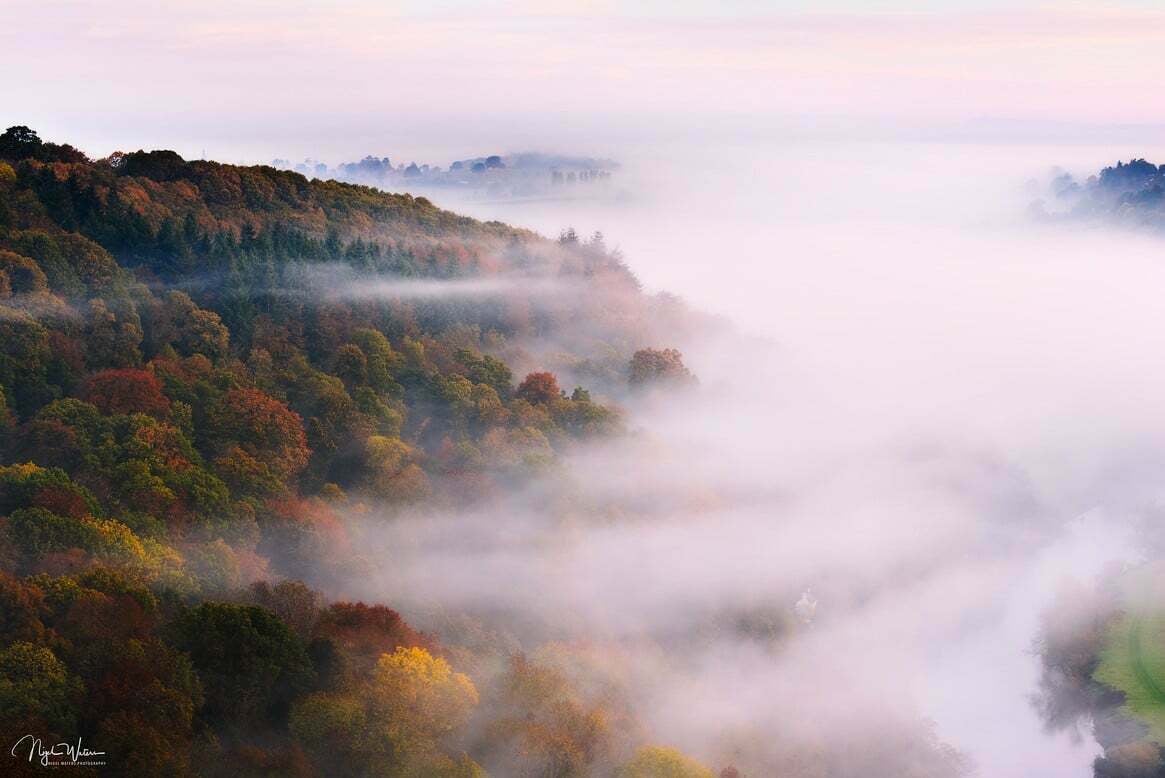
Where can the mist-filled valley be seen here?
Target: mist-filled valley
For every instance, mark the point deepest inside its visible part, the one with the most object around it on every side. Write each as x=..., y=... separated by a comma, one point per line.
x=822, y=459
x=932, y=411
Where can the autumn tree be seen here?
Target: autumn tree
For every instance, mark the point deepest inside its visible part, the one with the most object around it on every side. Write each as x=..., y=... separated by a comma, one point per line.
x=392, y=470
x=113, y=336
x=539, y=388
x=178, y=322
x=24, y=360
x=655, y=366
x=262, y=429
x=351, y=365
x=305, y=535
x=28, y=485
x=21, y=274
x=381, y=361
x=541, y=723
x=180, y=445
x=395, y=724
x=334, y=729
x=294, y=602
x=126, y=390
x=22, y=610
x=417, y=700
x=358, y=634
x=36, y=689
x=662, y=762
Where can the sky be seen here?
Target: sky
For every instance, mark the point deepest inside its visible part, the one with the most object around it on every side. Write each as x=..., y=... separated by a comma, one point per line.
x=335, y=79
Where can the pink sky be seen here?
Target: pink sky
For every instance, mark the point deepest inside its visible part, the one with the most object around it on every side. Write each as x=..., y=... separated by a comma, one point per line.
x=231, y=74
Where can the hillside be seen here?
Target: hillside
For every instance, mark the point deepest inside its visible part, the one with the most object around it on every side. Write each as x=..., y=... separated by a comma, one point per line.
x=209, y=372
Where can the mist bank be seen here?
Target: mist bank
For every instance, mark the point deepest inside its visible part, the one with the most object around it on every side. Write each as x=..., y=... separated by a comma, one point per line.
x=946, y=409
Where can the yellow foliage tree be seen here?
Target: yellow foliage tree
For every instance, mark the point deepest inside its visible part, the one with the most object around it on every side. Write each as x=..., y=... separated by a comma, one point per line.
x=662, y=762
x=416, y=699
x=395, y=476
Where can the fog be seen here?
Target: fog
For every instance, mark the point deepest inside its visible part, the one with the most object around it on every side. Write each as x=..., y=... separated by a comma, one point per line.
x=932, y=412
x=341, y=282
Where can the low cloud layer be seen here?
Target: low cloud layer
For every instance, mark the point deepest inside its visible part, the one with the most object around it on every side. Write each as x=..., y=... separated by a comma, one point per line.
x=943, y=412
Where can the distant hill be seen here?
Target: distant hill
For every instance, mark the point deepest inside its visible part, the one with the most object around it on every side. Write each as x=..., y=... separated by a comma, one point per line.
x=526, y=174
x=1132, y=192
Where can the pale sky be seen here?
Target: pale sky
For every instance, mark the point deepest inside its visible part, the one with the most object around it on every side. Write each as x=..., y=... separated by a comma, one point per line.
x=245, y=79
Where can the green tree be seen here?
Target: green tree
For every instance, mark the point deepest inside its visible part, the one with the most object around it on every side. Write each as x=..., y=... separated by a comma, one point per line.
x=36, y=688
x=251, y=664
x=652, y=366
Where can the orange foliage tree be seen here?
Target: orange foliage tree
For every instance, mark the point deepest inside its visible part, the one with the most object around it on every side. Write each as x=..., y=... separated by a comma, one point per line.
x=126, y=390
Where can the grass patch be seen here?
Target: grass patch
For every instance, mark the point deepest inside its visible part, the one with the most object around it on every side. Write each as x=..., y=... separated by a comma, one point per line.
x=1133, y=661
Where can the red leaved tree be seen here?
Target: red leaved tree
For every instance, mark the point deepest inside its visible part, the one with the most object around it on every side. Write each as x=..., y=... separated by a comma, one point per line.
x=539, y=388
x=126, y=390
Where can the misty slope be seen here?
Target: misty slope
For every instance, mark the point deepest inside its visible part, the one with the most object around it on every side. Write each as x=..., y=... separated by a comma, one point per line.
x=208, y=373
x=227, y=422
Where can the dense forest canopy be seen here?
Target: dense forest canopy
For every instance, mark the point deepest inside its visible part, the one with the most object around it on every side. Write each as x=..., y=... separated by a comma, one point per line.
x=207, y=370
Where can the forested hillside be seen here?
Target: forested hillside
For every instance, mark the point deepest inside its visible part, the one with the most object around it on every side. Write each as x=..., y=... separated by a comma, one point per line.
x=1131, y=193
x=207, y=372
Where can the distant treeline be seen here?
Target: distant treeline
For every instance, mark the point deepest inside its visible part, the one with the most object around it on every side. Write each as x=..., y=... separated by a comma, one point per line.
x=1133, y=192
x=524, y=174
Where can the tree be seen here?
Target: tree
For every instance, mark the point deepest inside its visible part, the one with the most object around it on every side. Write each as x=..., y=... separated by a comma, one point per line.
x=160, y=165
x=351, y=365
x=661, y=762
x=333, y=728
x=113, y=336
x=292, y=601
x=263, y=428
x=29, y=485
x=19, y=142
x=22, y=608
x=392, y=724
x=125, y=391
x=24, y=357
x=251, y=663
x=381, y=362
x=23, y=274
x=416, y=700
x=392, y=473
x=362, y=633
x=650, y=366
x=36, y=532
x=36, y=688
x=305, y=535
x=484, y=369
x=539, y=389
x=178, y=322
x=541, y=723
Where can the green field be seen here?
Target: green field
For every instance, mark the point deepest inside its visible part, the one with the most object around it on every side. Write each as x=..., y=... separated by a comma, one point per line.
x=1133, y=661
